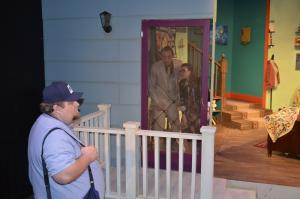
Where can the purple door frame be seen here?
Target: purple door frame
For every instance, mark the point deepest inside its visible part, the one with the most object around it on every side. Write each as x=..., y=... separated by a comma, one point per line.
x=146, y=25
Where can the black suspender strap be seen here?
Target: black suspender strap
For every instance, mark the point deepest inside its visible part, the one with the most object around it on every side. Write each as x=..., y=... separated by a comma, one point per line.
x=45, y=170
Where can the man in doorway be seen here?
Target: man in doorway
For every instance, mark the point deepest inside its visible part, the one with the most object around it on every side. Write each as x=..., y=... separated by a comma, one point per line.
x=164, y=92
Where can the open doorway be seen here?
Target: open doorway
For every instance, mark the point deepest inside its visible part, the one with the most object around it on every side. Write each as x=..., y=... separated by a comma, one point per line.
x=175, y=80
x=242, y=154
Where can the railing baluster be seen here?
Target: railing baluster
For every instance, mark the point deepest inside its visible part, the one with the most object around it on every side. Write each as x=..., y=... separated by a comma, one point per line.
x=102, y=147
x=168, y=168
x=180, y=169
x=98, y=122
x=118, y=143
x=107, y=161
x=156, y=166
x=96, y=142
x=106, y=109
x=85, y=138
x=76, y=134
x=145, y=166
x=194, y=164
x=138, y=162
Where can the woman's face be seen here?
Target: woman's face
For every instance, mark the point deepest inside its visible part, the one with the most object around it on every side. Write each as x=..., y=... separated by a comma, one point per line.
x=185, y=73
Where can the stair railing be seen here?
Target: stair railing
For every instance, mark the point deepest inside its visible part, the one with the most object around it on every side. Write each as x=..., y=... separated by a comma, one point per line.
x=220, y=80
x=195, y=58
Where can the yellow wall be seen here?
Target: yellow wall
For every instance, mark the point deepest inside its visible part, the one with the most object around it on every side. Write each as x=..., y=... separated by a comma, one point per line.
x=286, y=16
x=182, y=46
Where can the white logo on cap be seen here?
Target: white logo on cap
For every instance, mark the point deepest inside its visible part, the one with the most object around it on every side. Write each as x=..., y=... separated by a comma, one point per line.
x=70, y=89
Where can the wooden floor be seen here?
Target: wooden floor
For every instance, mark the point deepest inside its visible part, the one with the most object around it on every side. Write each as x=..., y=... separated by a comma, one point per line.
x=238, y=159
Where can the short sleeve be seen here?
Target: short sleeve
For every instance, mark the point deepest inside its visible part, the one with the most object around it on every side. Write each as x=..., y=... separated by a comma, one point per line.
x=60, y=151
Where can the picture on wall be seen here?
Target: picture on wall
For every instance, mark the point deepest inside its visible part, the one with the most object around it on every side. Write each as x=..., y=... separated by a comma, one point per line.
x=245, y=35
x=165, y=37
x=222, y=34
x=298, y=61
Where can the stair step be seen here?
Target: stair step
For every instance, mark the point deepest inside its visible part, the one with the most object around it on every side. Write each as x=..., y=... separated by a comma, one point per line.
x=258, y=120
x=239, y=104
x=255, y=105
x=238, y=124
x=235, y=193
x=250, y=112
x=242, y=115
x=230, y=107
x=231, y=115
x=243, y=124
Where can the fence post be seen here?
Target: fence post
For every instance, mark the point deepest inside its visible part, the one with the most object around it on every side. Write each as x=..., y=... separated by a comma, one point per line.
x=207, y=161
x=106, y=124
x=106, y=109
x=130, y=149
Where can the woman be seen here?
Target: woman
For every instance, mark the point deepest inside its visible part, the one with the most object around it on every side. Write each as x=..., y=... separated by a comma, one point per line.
x=189, y=100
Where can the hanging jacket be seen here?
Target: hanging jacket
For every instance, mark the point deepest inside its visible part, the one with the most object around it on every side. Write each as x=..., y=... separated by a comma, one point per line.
x=272, y=75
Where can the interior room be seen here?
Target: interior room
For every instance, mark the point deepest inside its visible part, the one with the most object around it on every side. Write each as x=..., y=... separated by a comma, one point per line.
x=249, y=103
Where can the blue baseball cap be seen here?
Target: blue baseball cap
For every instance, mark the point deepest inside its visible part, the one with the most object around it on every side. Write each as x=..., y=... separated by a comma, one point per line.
x=59, y=92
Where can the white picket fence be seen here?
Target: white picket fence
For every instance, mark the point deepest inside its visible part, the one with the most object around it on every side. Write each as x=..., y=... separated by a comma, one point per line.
x=94, y=129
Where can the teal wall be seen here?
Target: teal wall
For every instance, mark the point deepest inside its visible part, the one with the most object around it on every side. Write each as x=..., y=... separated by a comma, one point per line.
x=225, y=17
x=246, y=62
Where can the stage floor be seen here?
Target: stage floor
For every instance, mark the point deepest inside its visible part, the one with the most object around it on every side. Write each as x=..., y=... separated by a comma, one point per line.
x=238, y=159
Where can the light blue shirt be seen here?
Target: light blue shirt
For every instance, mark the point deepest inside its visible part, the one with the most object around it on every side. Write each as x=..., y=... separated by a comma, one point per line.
x=60, y=151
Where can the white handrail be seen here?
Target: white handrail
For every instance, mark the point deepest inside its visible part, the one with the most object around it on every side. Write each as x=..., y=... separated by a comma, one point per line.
x=165, y=134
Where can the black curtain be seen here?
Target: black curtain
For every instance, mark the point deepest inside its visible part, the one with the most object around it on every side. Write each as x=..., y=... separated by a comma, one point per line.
x=22, y=83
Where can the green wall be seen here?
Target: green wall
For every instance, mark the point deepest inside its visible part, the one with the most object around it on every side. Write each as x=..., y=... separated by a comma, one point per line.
x=286, y=16
x=225, y=17
x=246, y=62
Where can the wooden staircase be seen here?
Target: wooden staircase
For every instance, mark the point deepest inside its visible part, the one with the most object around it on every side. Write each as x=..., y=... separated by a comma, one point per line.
x=242, y=115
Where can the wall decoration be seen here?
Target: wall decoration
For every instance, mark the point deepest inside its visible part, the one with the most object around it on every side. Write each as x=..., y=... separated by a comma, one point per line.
x=270, y=44
x=181, y=42
x=165, y=37
x=297, y=38
x=271, y=31
x=245, y=35
x=221, y=35
x=297, y=41
x=298, y=61
x=272, y=26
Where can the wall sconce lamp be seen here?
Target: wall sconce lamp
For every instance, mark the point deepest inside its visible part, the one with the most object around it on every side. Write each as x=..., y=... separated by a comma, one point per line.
x=105, y=21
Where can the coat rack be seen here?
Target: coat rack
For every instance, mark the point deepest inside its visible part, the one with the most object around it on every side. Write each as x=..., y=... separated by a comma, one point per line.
x=272, y=58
